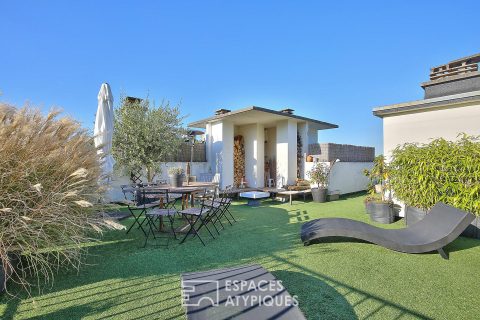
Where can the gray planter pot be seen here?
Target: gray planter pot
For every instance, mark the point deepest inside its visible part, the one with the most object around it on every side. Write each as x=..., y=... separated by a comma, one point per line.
x=413, y=215
x=176, y=180
x=319, y=194
x=381, y=212
x=368, y=207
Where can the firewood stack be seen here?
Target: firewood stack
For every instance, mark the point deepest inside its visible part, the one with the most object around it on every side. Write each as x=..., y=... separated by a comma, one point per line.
x=299, y=155
x=238, y=160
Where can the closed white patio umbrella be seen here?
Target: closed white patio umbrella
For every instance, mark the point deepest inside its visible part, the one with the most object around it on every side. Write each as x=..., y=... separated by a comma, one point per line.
x=103, y=130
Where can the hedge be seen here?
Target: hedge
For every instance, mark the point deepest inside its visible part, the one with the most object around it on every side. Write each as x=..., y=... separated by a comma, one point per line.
x=447, y=171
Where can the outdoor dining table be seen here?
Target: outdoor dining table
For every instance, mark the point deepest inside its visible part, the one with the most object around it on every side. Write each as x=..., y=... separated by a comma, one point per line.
x=188, y=196
x=188, y=191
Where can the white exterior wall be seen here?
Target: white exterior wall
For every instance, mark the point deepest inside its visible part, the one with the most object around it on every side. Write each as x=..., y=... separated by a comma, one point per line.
x=115, y=192
x=423, y=126
x=254, y=137
x=227, y=155
x=260, y=156
x=219, y=137
x=286, y=152
x=346, y=177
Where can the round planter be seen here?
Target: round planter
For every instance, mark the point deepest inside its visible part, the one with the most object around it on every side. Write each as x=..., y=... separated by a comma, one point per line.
x=381, y=212
x=176, y=180
x=319, y=194
x=368, y=207
x=413, y=215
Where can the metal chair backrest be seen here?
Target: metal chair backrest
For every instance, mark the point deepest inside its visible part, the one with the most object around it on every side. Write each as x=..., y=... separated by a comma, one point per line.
x=227, y=192
x=131, y=193
x=206, y=206
x=153, y=193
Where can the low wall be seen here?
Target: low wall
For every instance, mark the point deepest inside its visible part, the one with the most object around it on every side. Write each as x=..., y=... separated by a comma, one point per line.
x=346, y=177
x=344, y=152
x=115, y=192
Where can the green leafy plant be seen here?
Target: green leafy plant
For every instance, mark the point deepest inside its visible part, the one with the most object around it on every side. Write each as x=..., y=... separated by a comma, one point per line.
x=319, y=174
x=448, y=171
x=49, y=191
x=175, y=171
x=146, y=135
x=378, y=175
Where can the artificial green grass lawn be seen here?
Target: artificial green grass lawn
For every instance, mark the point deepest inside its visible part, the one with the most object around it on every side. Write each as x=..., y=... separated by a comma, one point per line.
x=333, y=280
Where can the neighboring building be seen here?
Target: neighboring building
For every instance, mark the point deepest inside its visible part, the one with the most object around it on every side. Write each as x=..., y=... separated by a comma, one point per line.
x=269, y=144
x=451, y=106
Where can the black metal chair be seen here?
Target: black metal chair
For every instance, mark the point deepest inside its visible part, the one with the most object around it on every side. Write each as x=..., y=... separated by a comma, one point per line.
x=165, y=210
x=137, y=204
x=197, y=218
x=226, y=198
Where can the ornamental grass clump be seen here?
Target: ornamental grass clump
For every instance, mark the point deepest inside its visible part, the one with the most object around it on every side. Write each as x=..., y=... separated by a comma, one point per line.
x=447, y=171
x=49, y=173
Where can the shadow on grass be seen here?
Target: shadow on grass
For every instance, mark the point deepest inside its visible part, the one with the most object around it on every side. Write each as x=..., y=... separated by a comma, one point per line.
x=325, y=296
x=123, y=279
x=329, y=303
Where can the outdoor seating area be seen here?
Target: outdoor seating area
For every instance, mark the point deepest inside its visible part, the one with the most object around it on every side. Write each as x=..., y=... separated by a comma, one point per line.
x=372, y=282
x=201, y=206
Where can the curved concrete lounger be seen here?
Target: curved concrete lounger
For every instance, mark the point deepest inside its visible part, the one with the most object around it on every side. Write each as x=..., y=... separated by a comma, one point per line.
x=441, y=225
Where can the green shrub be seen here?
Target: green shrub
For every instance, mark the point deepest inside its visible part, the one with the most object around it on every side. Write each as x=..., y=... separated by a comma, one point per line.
x=378, y=175
x=319, y=174
x=49, y=173
x=145, y=135
x=424, y=174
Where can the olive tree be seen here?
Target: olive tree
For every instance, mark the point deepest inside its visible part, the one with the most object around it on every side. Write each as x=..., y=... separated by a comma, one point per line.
x=145, y=135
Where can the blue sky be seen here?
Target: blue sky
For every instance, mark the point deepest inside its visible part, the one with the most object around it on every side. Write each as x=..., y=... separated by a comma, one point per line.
x=330, y=60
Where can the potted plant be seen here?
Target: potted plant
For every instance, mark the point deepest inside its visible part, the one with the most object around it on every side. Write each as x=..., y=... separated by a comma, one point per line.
x=319, y=176
x=377, y=204
x=176, y=176
x=439, y=171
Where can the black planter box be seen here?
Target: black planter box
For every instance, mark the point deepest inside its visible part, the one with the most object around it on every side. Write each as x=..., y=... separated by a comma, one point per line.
x=319, y=194
x=473, y=230
x=413, y=215
x=381, y=212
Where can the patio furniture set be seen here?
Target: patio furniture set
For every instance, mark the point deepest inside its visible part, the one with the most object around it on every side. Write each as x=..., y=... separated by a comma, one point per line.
x=151, y=206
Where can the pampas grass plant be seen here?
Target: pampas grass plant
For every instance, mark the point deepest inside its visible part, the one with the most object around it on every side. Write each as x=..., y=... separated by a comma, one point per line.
x=49, y=191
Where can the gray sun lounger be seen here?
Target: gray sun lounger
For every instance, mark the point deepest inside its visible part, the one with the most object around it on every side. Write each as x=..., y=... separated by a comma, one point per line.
x=441, y=225
x=245, y=292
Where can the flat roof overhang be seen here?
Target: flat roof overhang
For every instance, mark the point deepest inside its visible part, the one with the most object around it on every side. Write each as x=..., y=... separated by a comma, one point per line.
x=427, y=104
x=260, y=115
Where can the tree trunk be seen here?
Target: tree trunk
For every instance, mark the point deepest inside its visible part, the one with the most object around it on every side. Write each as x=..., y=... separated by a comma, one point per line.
x=150, y=174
